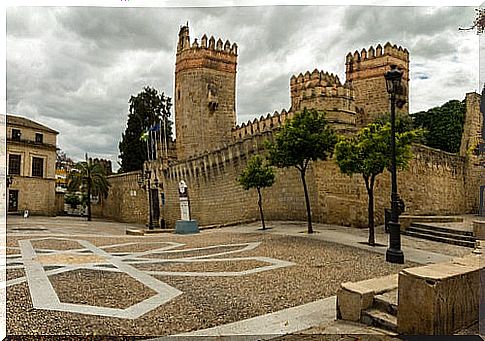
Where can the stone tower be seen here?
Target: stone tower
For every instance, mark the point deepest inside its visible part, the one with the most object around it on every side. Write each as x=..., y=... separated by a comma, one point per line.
x=365, y=74
x=323, y=91
x=472, y=135
x=205, y=93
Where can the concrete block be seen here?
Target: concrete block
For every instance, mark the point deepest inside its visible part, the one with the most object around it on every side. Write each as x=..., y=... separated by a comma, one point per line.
x=134, y=232
x=353, y=298
x=479, y=229
x=439, y=299
x=186, y=227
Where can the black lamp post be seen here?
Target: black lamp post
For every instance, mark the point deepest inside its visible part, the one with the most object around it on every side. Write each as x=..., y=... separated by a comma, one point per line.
x=394, y=253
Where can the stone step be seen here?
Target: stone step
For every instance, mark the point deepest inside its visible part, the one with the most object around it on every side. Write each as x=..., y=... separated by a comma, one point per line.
x=386, y=302
x=451, y=235
x=377, y=318
x=439, y=239
x=442, y=229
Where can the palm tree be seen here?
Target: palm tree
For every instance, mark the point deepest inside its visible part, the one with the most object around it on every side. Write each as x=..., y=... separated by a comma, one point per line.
x=90, y=176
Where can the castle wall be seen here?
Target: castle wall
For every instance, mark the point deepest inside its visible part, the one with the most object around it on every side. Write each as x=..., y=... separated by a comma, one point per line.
x=268, y=123
x=433, y=184
x=216, y=197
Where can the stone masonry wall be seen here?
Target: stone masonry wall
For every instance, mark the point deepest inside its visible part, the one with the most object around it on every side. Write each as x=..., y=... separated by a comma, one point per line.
x=37, y=195
x=126, y=201
x=217, y=198
x=433, y=184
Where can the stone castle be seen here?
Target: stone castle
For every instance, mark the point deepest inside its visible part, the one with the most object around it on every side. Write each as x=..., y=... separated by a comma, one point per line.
x=211, y=150
x=205, y=93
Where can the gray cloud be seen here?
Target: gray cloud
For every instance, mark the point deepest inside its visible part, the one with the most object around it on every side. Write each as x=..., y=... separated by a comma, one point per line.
x=75, y=68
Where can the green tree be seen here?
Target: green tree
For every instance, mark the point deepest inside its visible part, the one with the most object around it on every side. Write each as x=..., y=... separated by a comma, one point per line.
x=404, y=121
x=306, y=137
x=443, y=125
x=90, y=177
x=72, y=199
x=257, y=175
x=369, y=153
x=147, y=109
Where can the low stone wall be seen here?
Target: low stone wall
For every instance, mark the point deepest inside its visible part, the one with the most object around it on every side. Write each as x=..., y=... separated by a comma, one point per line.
x=439, y=299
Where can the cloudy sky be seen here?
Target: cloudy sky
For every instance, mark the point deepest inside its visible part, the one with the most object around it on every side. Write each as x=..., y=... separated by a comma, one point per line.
x=75, y=68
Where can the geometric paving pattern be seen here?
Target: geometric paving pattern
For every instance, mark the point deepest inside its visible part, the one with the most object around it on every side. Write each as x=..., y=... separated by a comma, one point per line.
x=41, y=262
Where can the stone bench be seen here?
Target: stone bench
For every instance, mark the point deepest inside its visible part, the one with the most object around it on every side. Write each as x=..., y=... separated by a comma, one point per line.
x=355, y=297
x=439, y=299
x=406, y=220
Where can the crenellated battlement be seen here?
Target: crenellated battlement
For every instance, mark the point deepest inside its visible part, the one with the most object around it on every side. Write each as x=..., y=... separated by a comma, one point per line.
x=364, y=72
x=206, y=43
x=315, y=78
x=211, y=163
x=263, y=124
x=320, y=90
x=388, y=50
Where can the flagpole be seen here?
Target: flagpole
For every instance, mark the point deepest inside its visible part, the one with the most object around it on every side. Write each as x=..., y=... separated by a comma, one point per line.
x=165, y=135
x=160, y=135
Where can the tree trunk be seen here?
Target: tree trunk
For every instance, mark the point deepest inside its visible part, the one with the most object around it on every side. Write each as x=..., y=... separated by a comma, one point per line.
x=260, y=204
x=89, y=200
x=370, y=193
x=307, y=201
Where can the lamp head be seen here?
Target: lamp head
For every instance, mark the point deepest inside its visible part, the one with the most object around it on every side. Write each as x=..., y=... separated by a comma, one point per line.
x=393, y=80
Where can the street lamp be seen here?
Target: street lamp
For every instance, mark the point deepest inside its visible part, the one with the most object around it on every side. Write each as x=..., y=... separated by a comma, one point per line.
x=395, y=89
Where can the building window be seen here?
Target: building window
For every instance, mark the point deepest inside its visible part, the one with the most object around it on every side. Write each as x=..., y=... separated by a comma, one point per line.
x=39, y=138
x=37, y=167
x=16, y=134
x=13, y=164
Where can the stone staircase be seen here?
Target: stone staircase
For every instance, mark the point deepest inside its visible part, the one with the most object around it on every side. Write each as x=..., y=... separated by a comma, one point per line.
x=383, y=311
x=441, y=234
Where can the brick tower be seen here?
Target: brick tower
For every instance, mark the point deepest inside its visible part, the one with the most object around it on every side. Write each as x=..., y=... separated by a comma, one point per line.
x=205, y=93
x=365, y=74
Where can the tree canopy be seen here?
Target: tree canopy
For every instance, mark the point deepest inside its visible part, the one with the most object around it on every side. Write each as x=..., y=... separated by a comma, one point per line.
x=443, y=125
x=257, y=175
x=147, y=109
x=369, y=153
x=306, y=137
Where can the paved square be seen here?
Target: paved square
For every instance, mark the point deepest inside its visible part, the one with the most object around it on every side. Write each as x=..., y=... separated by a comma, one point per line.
x=168, y=284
